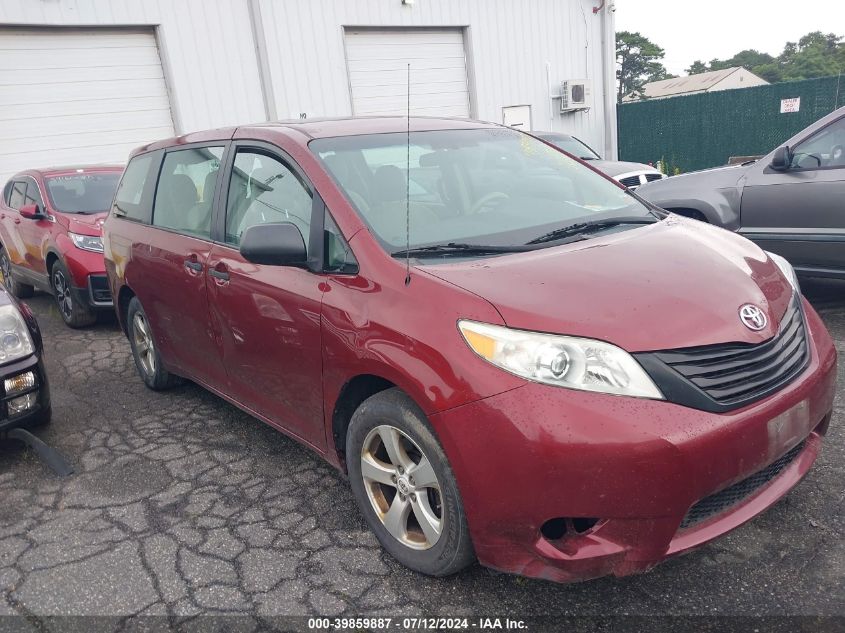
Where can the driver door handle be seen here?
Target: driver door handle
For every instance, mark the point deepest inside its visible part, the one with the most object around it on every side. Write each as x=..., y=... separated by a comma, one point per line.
x=195, y=266
x=222, y=275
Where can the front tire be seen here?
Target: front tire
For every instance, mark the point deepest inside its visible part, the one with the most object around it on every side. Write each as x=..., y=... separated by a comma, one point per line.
x=74, y=313
x=404, y=486
x=145, y=351
x=19, y=290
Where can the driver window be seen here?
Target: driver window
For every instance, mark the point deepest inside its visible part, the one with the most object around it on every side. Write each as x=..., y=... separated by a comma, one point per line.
x=264, y=190
x=33, y=195
x=824, y=149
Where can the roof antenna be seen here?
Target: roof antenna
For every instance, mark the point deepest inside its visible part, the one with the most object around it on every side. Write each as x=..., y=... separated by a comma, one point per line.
x=408, y=188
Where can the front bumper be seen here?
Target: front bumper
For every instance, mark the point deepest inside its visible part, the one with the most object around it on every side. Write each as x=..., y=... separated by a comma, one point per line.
x=95, y=294
x=37, y=414
x=537, y=453
x=89, y=282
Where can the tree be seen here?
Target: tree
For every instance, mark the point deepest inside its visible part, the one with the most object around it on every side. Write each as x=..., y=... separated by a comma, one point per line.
x=816, y=54
x=697, y=67
x=638, y=62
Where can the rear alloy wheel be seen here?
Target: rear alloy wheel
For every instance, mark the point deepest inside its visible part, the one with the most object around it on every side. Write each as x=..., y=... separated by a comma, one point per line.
x=144, y=350
x=21, y=291
x=404, y=486
x=74, y=313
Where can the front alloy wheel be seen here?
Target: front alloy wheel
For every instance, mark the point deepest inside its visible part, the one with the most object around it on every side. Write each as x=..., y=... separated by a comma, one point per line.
x=402, y=487
x=74, y=313
x=63, y=297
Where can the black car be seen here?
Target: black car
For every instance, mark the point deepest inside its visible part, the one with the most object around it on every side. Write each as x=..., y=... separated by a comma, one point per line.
x=23, y=380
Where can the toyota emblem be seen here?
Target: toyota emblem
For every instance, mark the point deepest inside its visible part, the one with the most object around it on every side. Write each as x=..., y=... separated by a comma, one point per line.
x=752, y=317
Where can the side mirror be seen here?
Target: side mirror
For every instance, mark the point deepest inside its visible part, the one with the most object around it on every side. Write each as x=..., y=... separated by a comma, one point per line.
x=31, y=212
x=276, y=244
x=781, y=159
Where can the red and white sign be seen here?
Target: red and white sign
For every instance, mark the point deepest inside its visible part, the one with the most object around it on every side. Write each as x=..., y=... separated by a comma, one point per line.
x=790, y=105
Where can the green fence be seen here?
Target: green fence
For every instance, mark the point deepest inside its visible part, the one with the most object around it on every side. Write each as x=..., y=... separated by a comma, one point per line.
x=704, y=130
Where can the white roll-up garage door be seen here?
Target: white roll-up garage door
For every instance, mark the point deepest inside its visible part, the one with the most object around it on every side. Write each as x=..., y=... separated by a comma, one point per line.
x=73, y=96
x=378, y=65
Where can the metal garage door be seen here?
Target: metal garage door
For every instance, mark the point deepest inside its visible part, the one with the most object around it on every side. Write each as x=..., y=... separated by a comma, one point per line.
x=78, y=96
x=378, y=65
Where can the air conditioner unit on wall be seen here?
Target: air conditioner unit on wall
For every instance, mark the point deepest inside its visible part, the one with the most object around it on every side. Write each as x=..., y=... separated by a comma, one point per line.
x=575, y=94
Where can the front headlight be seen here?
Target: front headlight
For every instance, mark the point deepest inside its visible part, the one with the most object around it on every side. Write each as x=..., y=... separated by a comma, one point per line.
x=15, y=341
x=786, y=268
x=562, y=361
x=92, y=243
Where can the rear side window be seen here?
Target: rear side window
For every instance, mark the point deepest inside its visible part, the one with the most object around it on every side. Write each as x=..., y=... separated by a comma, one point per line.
x=18, y=194
x=265, y=190
x=185, y=190
x=128, y=201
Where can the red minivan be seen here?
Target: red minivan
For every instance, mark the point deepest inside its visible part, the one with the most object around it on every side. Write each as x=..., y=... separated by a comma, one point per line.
x=514, y=359
x=51, y=227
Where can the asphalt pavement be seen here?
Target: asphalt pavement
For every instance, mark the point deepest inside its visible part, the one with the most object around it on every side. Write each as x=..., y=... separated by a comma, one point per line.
x=182, y=505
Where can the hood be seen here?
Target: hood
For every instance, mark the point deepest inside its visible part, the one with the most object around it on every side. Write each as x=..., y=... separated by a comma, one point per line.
x=86, y=224
x=677, y=283
x=615, y=167
x=716, y=178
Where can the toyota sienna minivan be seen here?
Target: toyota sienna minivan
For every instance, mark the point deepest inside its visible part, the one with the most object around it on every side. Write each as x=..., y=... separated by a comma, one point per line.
x=514, y=359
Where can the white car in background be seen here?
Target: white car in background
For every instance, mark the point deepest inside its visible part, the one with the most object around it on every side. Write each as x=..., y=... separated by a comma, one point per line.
x=632, y=175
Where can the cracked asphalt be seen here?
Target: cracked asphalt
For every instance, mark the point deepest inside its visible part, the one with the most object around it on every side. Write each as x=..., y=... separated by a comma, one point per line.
x=182, y=505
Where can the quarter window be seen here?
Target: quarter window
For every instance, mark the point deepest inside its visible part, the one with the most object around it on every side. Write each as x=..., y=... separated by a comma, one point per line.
x=128, y=201
x=265, y=190
x=186, y=190
x=339, y=257
x=33, y=195
x=18, y=194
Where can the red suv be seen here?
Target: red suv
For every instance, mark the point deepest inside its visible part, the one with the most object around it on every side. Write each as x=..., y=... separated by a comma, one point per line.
x=513, y=358
x=51, y=232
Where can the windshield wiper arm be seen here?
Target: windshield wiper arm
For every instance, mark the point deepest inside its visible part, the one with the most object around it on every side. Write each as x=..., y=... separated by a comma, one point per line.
x=577, y=229
x=459, y=248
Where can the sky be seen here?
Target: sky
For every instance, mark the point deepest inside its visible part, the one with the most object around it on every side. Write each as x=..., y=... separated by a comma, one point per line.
x=691, y=29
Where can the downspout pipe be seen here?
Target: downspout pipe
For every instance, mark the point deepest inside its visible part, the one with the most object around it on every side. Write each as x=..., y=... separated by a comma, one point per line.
x=264, y=75
x=608, y=62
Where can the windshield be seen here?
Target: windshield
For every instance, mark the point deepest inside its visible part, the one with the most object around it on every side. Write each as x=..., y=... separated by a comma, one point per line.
x=484, y=186
x=572, y=145
x=82, y=193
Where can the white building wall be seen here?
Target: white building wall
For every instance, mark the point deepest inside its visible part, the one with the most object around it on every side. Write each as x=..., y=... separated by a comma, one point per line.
x=209, y=53
x=206, y=47
x=509, y=45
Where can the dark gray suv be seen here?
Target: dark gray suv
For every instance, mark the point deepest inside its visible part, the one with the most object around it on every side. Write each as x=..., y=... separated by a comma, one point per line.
x=790, y=202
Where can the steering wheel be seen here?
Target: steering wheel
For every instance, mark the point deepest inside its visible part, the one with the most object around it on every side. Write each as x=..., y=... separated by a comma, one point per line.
x=485, y=201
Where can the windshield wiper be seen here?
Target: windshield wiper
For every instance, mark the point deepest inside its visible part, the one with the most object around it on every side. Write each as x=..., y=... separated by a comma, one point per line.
x=578, y=229
x=454, y=248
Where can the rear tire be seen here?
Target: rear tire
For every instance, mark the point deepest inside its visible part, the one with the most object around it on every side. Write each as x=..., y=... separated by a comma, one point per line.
x=404, y=486
x=21, y=291
x=74, y=313
x=145, y=351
